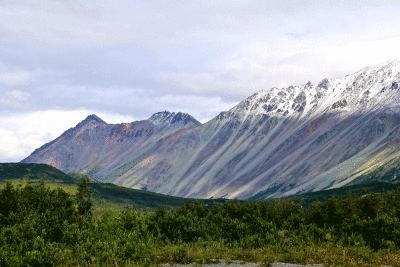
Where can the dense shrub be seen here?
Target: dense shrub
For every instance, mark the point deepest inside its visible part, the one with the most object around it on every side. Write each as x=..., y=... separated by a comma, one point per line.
x=42, y=210
x=44, y=227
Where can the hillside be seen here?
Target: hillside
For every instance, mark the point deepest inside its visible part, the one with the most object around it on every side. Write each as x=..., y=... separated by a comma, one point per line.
x=377, y=181
x=105, y=195
x=375, y=186
x=109, y=196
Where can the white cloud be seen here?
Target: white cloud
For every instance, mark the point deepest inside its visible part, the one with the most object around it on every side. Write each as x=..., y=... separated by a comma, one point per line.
x=114, y=118
x=357, y=55
x=18, y=96
x=15, y=99
x=199, y=57
x=15, y=78
x=10, y=147
x=255, y=67
x=162, y=26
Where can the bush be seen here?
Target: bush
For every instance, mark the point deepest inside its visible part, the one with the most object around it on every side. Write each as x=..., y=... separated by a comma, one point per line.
x=43, y=227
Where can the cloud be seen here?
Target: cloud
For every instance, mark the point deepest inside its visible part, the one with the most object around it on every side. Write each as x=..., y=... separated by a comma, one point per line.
x=172, y=25
x=10, y=149
x=15, y=78
x=128, y=60
x=114, y=118
x=18, y=96
x=15, y=100
x=23, y=133
x=357, y=55
x=201, y=108
x=252, y=68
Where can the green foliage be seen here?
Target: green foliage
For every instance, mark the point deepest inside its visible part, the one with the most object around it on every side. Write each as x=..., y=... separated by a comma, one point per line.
x=373, y=218
x=285, y=211
x=40, y=226
x=83, y=198
x=376, y=186
x=105, y=196
x=47, y=209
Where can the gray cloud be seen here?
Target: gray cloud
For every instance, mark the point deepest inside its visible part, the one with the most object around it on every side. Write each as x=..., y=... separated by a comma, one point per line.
x=128, y=60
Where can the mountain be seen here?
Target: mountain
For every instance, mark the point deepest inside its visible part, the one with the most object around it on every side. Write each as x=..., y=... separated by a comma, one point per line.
x=93, y=142
x=276, y=142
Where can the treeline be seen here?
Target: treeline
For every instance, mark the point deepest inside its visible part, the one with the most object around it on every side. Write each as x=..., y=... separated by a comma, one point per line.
x=371, y=220
x=44, y=227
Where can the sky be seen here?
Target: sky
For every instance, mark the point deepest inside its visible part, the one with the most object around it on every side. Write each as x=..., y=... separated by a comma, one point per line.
x=62, y=60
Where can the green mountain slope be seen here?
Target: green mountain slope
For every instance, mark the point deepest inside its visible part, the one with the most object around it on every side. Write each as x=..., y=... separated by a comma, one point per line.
x=109, y=196
x=376, y=186
x=105, y=195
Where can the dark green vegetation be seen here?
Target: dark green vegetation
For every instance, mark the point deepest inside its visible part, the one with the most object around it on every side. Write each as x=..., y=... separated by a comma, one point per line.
x=381, y=173
x=378, y=180
x=105, y=196
x=375, y=186
x=44, y=226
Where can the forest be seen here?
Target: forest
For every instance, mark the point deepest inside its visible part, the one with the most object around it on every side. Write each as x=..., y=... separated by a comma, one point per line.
x=43, y=226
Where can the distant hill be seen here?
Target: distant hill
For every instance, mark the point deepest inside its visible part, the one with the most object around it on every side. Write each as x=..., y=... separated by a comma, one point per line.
x=105, y=196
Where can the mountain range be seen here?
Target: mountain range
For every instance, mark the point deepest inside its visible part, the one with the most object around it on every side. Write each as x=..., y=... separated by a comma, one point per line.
x=280, y=141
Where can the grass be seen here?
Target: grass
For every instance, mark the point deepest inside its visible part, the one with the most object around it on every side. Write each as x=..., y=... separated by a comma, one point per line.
x=213, y=252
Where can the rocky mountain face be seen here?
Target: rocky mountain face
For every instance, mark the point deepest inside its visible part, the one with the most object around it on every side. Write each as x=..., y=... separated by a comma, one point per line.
x=276, y=142
x=96, y=148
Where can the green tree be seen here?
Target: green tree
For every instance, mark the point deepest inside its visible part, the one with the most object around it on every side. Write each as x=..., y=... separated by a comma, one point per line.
x=83, y=198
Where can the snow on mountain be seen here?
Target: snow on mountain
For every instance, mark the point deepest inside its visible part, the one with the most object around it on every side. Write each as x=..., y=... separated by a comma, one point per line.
x=365, y=89
x=276, y=142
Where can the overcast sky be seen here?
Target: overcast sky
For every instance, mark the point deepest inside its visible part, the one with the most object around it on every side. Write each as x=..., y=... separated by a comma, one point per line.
x=62, y=60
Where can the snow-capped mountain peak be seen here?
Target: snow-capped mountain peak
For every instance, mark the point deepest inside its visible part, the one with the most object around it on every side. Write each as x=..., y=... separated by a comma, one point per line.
x=365, y=89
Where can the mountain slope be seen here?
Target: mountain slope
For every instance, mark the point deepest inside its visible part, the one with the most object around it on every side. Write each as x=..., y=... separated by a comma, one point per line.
x=105, y=196
x=284, y=141
x=96, y=148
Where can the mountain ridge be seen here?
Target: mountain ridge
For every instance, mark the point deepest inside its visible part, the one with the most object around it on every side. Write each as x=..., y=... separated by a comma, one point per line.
x=296, y=139
x=91, y=124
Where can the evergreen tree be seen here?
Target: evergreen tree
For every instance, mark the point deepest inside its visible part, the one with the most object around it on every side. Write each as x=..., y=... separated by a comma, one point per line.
x=83, y=197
